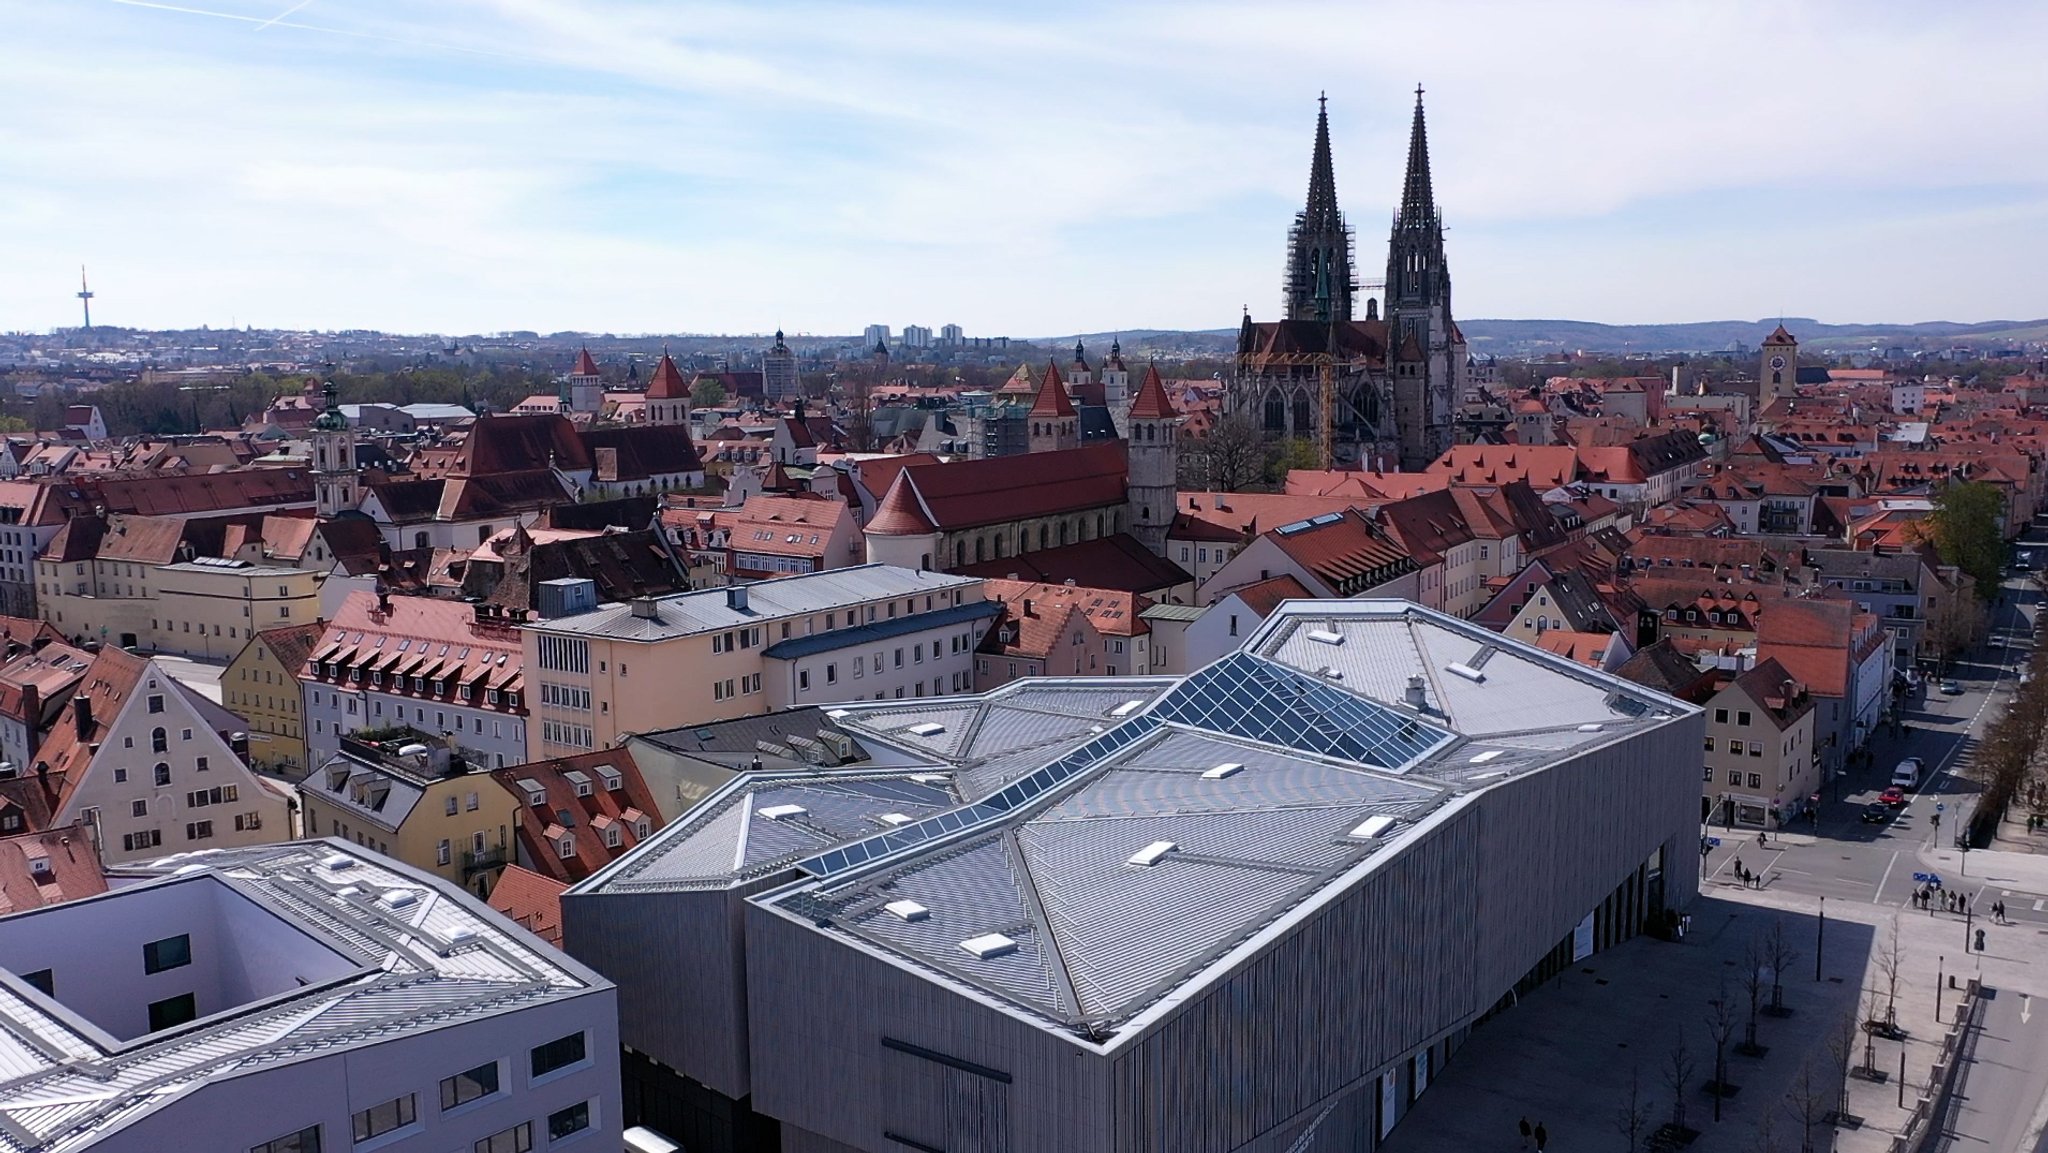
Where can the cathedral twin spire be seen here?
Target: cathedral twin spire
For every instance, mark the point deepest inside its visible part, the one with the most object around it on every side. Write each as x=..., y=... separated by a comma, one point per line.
x=1320, y=282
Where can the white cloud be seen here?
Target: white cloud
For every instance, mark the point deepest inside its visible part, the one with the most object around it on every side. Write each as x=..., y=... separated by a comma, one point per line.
x=649, y=165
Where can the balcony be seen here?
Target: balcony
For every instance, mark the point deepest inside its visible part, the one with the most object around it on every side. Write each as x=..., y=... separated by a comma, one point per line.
x=474, y=862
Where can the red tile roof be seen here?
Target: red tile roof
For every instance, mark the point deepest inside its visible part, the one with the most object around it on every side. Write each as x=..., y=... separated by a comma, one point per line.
x=70, y=869
x=1262, y=597
x=586, y=819
x=1114, y=612
x=1347, y=552
x=585, y=366
x=69, y=752
x=1052, y=397
x=667, y=383
x=437, y=641
x=532, y=900
x=1151, y=402
x=998, y=490
x=901, y=512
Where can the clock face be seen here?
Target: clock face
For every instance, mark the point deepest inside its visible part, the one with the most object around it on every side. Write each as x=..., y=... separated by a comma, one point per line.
x=1777, y=362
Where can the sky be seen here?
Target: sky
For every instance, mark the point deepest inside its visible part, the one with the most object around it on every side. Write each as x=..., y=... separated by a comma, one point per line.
x=1026, y=169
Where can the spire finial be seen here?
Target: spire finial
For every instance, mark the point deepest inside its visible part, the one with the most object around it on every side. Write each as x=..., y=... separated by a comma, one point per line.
x=1418, y=92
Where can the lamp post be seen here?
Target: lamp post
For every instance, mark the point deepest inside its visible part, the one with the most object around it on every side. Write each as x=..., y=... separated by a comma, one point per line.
x=1939, y=981
x=1820, y=937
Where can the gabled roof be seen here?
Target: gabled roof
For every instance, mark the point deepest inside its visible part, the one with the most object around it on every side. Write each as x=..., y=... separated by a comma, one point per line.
x=640, y=452
x=107, y=684
x=1115, y=562
x=292, y=644
x=1262, y=597
x=1345, y=551
x=1660, y=666
x=498, y=444
x=965, y=494
x=585, y=820
x=585, y=366
x=532, y=901
x=1780, y=336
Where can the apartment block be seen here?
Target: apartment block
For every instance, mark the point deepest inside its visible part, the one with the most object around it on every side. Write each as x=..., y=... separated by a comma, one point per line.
x=869, y=632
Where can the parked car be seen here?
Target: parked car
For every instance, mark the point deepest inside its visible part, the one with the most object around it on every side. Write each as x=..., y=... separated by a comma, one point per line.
x=1877, y=813
x=1951, y=689
x=1893, y=797
x=1907, y=775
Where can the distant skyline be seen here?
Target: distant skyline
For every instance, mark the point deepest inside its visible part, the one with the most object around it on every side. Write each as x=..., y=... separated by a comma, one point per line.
x=487, y=165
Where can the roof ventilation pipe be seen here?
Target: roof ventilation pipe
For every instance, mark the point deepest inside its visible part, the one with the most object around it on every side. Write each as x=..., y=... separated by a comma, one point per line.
x=1418, y=694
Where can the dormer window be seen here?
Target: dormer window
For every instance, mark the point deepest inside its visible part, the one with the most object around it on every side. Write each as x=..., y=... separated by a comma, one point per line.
x=491, y=697
x=566, y=846
x=611, y=836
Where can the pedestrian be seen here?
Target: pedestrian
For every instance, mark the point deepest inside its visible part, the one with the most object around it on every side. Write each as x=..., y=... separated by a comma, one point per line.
x=1525, y=1132
x=1760, y=841
x=1542, y=1137
x=1962, y=902
x=1738, y=866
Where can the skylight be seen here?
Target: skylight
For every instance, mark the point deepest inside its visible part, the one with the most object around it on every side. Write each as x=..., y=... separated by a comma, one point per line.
x=1484, y=757
x=782, y=812
x=1226, y=769
x=1325, y=636
x=1126, y=709
x=989, y=945
x=1456, y=668
x=926, y=729
x=1152, y=854
x=894, y=819
x=1372, y=827
x=908, y=910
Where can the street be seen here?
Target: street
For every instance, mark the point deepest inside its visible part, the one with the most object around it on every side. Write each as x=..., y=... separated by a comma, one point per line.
x=2003, y=1098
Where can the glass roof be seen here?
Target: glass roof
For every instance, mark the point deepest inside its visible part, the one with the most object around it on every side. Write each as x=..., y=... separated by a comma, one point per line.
x=1254, y=698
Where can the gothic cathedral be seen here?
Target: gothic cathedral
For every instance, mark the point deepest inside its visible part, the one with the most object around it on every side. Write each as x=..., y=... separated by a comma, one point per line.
x=1382, y=389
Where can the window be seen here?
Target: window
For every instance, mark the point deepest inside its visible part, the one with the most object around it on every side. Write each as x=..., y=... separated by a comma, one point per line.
x=1756, y=780
x=831, y=674
x=469, y=1085
x=574, y=1119
x=169, y=953
x=1708, y=773
x=172, y=1011
x=557, y=1054
x=378, y=1120
x=199, y=763
x=469, y=803
x=1756, y=748
x=517, y=1139
x=156, y=703
x=146, y=839
x=803, y=678
x=138, y=808
x=1742, y=718
x=1710, y=744
x=449, y=808
x=1734, y=776
x=442, y=853
x=120, y=776
x=198, y=830
x=1720, y=716
x=304, y=1141
x=159, y=741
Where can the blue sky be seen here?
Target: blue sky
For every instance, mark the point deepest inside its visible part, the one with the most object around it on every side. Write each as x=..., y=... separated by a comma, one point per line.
x=1030, y=169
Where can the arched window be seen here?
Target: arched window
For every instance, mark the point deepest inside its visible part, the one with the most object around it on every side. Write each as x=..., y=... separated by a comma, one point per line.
x=159, y=742
x=419, y=540
x=980, y=549
x=1064, y=527
x=1044, y=535
x=959, y=553
x=163, y=774
x=1276, y=412
x=925, y=562
x=1301, y=419
x=1098, y=524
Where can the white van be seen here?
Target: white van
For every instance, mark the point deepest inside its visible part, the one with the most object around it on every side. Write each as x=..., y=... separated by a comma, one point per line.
x=1907, y=775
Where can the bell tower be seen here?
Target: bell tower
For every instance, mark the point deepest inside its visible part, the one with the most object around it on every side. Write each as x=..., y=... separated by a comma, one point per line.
x=1153, y=450
x=1778, y=374
x=336, y=486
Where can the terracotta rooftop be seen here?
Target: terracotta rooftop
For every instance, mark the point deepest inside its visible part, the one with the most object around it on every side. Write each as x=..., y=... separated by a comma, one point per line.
x=1152, y=402
x=532, y=900
x=667, y=383
x=1052, y=399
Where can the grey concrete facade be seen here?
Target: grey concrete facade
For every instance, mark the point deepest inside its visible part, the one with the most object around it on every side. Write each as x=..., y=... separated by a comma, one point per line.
x=1132, y=1016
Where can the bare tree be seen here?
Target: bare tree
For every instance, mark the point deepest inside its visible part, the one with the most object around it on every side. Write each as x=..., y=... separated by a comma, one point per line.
x=1808, y=1103
x=1842, y=1049
x=1889, y=961
x=1766, y=1139
x=1720, y=1027
x=1867, y=1009
x=1230, y=458
x=1679, y=1067
x=1753, y=984
x=1633, y=1117
x=1779, y=952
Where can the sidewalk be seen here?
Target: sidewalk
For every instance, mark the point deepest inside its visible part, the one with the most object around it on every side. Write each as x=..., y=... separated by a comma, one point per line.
x=1565, y=1054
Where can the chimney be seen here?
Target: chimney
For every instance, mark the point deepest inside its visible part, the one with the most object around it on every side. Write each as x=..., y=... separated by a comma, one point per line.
x=81, y=709
x=383, y=599
x=1417, y=695
x=646, y=608
x=736, y=598
x=1027, y=606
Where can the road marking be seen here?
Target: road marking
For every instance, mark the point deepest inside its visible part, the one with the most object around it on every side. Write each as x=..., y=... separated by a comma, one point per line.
x=2038, y=904
x=2026, y=1008
x=1874, y=897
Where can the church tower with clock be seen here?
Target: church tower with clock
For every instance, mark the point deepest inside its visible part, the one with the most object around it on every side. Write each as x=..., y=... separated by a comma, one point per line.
x=1778, y=376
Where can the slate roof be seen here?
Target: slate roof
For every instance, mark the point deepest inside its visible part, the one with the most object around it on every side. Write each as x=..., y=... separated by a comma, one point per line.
x=964, y=494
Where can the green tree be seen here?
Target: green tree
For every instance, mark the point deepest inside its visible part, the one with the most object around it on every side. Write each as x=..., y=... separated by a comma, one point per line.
x=707, y=393
x=1966, y=530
